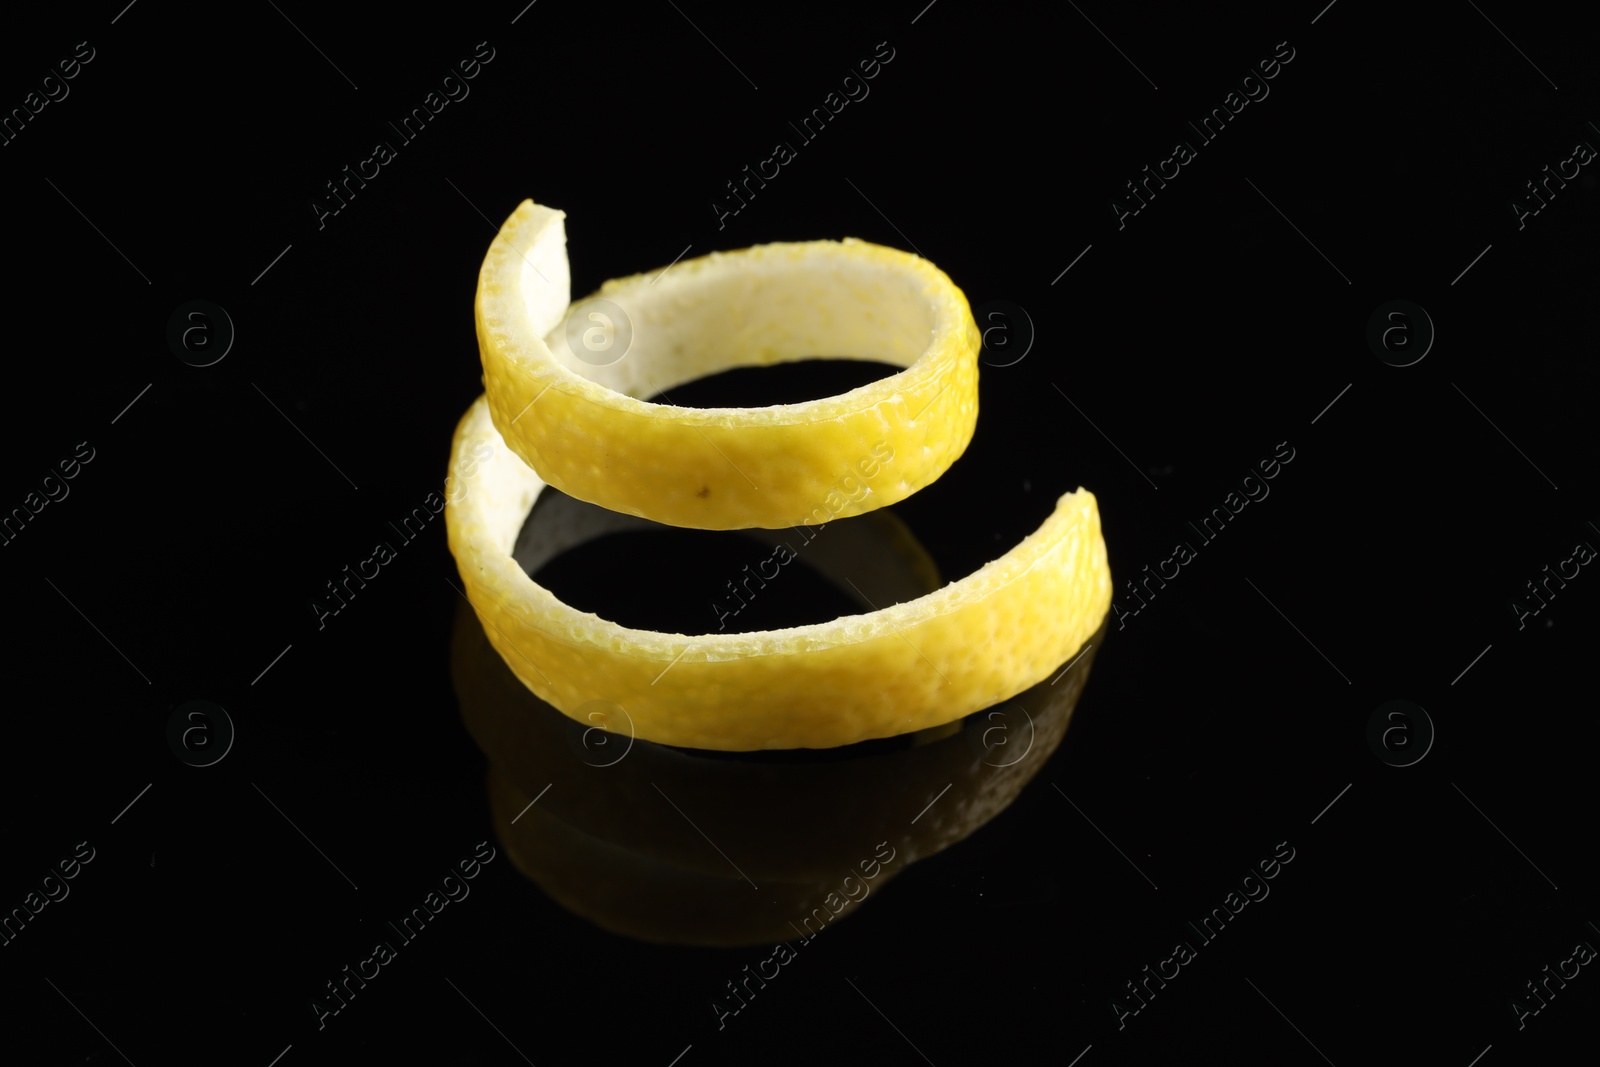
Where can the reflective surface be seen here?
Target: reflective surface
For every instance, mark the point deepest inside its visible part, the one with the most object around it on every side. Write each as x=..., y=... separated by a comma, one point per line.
x=172, y=518
x=680, y=846
x=693, y=847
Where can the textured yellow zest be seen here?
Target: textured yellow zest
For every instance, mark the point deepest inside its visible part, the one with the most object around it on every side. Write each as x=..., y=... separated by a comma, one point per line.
x=587, y=433
x=910, y=666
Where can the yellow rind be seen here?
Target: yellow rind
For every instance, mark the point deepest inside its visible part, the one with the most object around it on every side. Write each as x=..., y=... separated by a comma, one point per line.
x=910, y=666
x=732, y=468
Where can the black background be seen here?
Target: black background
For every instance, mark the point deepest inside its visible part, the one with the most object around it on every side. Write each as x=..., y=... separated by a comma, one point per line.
x=1220, y=321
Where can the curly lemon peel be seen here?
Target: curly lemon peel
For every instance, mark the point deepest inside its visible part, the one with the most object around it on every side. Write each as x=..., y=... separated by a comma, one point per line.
x=585, y=430
x=904, y=667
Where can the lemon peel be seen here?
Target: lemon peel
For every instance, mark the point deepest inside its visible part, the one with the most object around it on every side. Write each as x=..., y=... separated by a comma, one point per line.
x=897, y=669
x=586, y=431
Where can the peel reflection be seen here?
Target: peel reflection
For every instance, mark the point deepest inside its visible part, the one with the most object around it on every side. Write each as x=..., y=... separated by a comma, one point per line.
x=682, y=846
